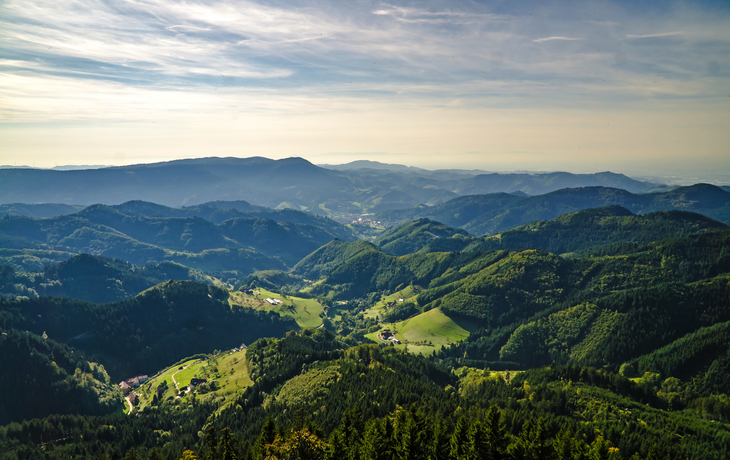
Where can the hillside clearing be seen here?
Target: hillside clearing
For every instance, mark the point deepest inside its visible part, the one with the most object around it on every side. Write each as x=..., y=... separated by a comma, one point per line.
x=427, y=332
x=306, y=312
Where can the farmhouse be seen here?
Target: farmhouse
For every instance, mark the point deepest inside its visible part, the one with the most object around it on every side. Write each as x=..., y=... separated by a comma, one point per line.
x=133, y=382
x=125, y=387
x=273, y=301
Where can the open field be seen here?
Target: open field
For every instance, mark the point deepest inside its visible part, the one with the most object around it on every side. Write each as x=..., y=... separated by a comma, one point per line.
x=228, y=370
x=427, y=332
x=408, y=293
x=306, y=312
x=147, y=390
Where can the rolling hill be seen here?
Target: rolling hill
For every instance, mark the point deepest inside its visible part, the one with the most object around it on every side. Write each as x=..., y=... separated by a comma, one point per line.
x=239, y=244
x=411, y=237
x=669, y=282
x=92, y=279
x=154, y=329
x=50, y=378
x=491, y=214
x=596, y=229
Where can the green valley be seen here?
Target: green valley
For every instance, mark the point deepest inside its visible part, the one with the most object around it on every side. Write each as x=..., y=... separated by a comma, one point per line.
x=597, y=334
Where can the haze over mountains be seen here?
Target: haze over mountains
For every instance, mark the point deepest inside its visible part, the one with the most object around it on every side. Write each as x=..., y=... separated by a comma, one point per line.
x=565, y=305
x=492, y=213
x=289, y=183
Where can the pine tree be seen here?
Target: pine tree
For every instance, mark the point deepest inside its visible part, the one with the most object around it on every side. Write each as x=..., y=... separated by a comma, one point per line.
x=496, y=432
x=211, y=444
x=477, y=447
x=564, y=445
x=266, y=436
x=458, y=441
x=374, y=443
x=225, y=446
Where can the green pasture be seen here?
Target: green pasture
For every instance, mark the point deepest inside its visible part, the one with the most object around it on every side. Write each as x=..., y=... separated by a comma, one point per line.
x=147, y=390
x=427, y=332
x=228, y=370
x=406, y=294
x=184, y=376
x=306, y=312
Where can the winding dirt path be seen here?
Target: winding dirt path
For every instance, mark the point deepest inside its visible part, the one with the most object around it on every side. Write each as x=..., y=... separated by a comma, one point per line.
x=173, y=376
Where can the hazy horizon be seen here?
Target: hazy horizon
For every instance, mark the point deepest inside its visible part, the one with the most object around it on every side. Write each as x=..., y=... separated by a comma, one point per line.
x=636, y=88
x=710, y=177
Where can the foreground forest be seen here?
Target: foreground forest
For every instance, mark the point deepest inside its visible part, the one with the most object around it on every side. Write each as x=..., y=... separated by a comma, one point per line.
x=602, y=333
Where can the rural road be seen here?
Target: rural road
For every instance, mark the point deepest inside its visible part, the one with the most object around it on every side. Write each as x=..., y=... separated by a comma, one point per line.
x=173, y=376
x=129, y=400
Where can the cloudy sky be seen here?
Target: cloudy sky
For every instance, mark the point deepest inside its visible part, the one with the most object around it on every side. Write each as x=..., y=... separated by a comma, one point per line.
x=578, y=86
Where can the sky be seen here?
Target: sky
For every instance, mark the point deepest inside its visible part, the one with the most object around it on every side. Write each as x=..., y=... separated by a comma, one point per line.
x=635, y=87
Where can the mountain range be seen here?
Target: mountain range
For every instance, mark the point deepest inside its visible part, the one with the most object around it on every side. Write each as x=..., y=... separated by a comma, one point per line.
x=141, y=233
x=492, y=213
x=522, y=316
x=592, y=229
x=289, y=183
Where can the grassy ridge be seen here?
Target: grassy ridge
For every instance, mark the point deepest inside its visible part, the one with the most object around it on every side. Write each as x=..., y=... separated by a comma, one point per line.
x=306, y=312
x=227, y=375
x=427, y=332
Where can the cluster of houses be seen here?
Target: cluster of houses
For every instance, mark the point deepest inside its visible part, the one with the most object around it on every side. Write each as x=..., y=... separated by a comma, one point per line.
x=385, y=334
x=242, y=347
x=273, y=301
x=134, y=382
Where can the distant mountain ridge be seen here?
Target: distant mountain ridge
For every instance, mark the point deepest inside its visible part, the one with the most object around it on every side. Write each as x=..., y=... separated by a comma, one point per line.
x=493, y=213
x=589, y=229
x=288, y=183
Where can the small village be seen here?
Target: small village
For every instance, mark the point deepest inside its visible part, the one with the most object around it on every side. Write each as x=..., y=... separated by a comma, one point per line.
x=364, y=219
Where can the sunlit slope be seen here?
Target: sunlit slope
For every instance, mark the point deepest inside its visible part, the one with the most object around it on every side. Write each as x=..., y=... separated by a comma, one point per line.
x=573, y=232
x=494, y=213
x=306, y=312
x=428, y=331
x=226, y=375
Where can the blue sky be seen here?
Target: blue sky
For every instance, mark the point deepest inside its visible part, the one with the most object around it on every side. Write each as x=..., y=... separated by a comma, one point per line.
x=582, y=86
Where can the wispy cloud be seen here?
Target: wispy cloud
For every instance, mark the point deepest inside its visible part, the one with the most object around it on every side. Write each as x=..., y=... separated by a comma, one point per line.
x=438, y=51
x=656, y=35
x=548, y=39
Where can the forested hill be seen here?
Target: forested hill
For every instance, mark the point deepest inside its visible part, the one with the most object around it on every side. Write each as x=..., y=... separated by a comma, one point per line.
x=573, y=232
x=412, y=236
x=214, y=211
x=316, y=399
x=607, y=309
x=239, y=244
x=50, y=378
x=490, y=214
x=92, y=278
x=220, y=211
x=148, y=332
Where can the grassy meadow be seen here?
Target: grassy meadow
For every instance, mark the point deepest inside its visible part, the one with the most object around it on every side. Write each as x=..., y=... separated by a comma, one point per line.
x=227, y=369
x=306, y=312
x=427, y=332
